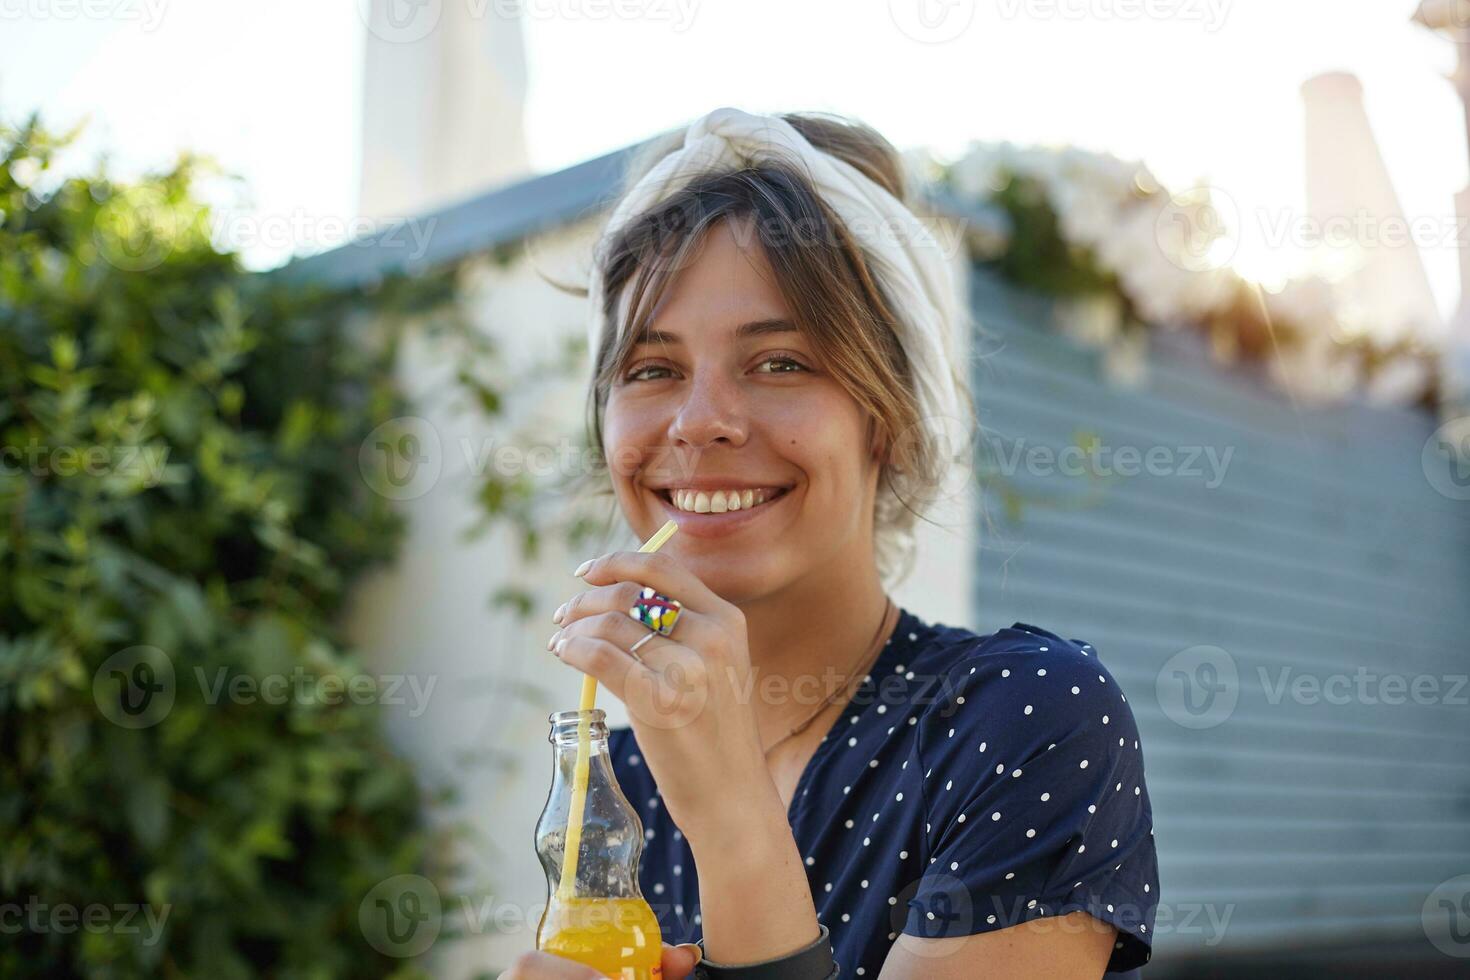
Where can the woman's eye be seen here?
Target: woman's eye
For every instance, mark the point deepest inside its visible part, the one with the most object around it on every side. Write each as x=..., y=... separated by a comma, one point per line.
x=647, y=372
x=783, y=365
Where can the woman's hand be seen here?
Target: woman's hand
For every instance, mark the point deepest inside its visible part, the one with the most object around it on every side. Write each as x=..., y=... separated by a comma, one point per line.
x=690, y=705
x=678, y=963
x=689, y=700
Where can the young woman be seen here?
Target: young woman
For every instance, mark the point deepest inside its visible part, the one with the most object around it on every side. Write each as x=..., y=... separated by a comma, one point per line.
x=811, y=763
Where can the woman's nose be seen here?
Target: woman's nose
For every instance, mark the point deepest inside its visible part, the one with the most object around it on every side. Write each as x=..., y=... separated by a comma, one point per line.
x=712, y=410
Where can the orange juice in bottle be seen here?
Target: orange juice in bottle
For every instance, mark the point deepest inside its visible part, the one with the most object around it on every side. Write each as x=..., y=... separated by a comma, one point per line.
x=595, y=913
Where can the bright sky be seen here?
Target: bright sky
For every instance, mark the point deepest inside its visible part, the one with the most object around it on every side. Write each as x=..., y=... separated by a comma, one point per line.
x=1202, y=88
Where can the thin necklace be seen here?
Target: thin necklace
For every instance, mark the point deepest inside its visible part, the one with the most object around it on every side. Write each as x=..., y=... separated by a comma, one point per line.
x=874, y=648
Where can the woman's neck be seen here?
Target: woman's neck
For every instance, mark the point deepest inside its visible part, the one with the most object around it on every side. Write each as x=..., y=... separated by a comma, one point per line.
x=810, y=635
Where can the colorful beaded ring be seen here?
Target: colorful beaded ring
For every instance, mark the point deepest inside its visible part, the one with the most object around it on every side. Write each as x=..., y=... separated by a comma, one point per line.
x=656, y=611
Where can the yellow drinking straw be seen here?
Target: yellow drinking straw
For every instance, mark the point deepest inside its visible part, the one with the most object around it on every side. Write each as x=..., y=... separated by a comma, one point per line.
x=584, y=749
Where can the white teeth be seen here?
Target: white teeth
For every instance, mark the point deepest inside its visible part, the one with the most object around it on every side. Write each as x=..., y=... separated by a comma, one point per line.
x=716, y=501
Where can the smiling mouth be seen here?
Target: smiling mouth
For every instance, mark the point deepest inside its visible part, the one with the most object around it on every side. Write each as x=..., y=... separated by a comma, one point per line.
x=719, y=501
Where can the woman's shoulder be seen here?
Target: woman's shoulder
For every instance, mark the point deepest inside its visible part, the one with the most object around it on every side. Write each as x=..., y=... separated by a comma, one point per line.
x=1018, y=682
x=1020, y=650
x=1032, y=787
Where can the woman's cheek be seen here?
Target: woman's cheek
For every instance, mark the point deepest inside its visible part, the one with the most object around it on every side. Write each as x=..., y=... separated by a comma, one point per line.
x=826, y=439
x=625, y=440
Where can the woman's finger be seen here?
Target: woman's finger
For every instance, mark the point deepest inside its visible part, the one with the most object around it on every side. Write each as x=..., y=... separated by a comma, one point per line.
x=619, y=632
x=603, y=598
x=678, y=961
x=670, y=694
x=536, y=965
x=613, y=666
x=614, y=624
x=659, y=571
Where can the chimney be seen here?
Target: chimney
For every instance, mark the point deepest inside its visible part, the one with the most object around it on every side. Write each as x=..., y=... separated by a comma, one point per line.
x=444, y=88
x=1366, y=241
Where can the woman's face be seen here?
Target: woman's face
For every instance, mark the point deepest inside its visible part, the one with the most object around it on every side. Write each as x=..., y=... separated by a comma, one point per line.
x=723, y=420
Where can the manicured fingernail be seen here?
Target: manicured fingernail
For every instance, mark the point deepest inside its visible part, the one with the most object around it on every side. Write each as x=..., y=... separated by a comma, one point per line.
x=561, y=611
x=551, y=640
x=561, y=645
x=697, y=950
x=582, y=568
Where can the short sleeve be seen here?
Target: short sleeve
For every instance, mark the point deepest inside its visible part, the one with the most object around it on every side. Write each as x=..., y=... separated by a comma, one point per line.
x=1034, y=797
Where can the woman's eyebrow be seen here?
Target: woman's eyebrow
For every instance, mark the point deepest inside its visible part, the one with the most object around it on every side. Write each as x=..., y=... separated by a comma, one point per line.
x=754, y=328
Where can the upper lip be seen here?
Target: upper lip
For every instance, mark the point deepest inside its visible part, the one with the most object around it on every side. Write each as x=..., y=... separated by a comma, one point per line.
x=719, y=483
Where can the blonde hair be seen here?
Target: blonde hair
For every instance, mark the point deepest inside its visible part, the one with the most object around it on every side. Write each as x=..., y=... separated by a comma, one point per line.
x=836, y=301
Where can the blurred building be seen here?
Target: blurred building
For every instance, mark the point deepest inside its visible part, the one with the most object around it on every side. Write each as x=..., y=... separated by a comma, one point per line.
x=1364, y=238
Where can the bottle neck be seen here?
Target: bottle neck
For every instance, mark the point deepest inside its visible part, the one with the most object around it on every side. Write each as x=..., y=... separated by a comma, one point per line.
x=567, y=729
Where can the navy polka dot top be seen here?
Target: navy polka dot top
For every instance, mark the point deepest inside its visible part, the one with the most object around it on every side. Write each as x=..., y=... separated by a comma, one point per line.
x=970, y=784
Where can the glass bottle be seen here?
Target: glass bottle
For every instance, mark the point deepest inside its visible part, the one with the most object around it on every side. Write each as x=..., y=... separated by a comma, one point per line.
x=598, y=918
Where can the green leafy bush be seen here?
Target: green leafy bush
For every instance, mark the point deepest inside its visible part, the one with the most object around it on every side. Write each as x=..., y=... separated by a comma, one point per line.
x=180, y=502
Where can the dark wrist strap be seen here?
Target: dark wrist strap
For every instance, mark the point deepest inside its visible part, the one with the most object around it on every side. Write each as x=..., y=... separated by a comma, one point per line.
x=813, y=962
